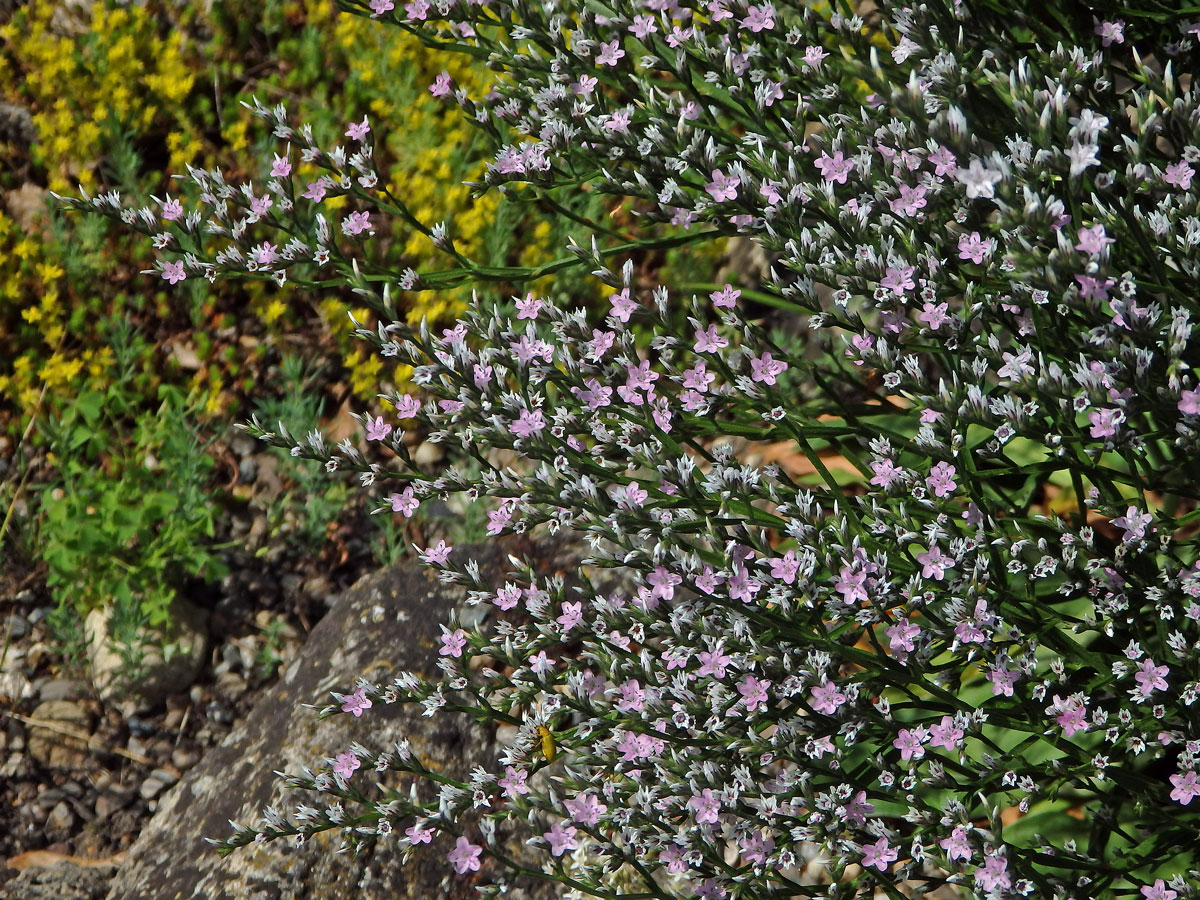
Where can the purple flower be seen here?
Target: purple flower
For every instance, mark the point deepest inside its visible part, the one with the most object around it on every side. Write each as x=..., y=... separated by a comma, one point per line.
x=899, y=279
x=528, y=423
x=834, y=168
x=442, y=86
x=1105, y=422
x=416, y=834
x=1179, y=175
x=753, y=691
x=1150, y=678
x=346, y=764
x=979, y=180
x=356, y=703
x=993, y=874
x=465, y=856
x=356, y=131
x=934, y=564
x=941, y=479
x=880, y=855
x=1133, y=523
x=173, y=272
x=513, y=782
x=453, y=642
x=610, y=53
x=946, y=734
x=1189, y=402
x=1111, y=32
x=826, y=698
x=356, y=223
x=377, y=429
x=436, y=555
x=723, y=187
x=561, y=839
x=957, y=846
x=405, y=502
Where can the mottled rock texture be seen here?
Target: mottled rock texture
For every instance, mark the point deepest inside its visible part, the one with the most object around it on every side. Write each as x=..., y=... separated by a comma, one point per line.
x=386, y=623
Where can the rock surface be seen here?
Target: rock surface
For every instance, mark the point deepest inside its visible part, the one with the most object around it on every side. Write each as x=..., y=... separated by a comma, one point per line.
x=386, y=623
x=61, y=881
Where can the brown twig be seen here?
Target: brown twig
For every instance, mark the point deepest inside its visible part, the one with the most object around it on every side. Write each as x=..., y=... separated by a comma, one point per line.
x=93, y=743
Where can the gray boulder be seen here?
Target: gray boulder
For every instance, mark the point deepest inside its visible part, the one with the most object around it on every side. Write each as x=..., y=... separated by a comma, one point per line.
x=386, y=623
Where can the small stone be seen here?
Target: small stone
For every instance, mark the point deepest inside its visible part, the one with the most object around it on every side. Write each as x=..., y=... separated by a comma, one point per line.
x=50, y=747
x=157, y=782
x=170, y=660
x=112, y=800
x=183, y=759
x=247, y=470
x=61, y=818
x=60, y=689
x=16, y=627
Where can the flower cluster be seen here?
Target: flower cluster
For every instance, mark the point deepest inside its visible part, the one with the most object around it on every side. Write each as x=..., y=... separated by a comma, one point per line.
x=965, y=662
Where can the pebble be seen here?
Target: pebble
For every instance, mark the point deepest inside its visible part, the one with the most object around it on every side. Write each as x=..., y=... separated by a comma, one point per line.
x=184, y=759
x=216, y=712
x=60, y=689
x=112, y=800
x=16, y=627
x=428, y=454
x=61, y=818
x=157, y=782
x=247, y=470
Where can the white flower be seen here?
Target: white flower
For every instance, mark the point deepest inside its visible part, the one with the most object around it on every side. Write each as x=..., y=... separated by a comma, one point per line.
x=979, y=179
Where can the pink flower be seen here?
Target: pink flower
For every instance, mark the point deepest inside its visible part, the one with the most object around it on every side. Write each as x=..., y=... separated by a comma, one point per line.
x=765, y=368
x=885, y=472
x=880, y=855
x=972, y=247
x=1111, y=32
x=1002, y=680
x=941, y=479
x=834, y=168
x=528, y=423
x=173, y=272
x=356, y=131
x=1189, y=402
x=416, y=834
x=1185, y=788
x=378, y=8
x=943, y=162
x=316, y=190
x=727, y=297
x=453, y=642
x=610, y=53
x=910, y=200
x=957, y=846
x=1150, y=678
x=442, y=85
x=1093, y=240
x=529, y=307
x=405, y=502
x=356, y=223
x=436, y=555
x=1158, y=891
x=899, y=279
x=280, y=167
x=709, y=341
x=172, y=209
x=1133, y=523
x=935, y=315
x=993, y=874
x=622, y=305
x=1105, y=422
x=1179, y=175
x=346, y=764
x=561, y=839
x=759, y=18
x=465, y=856
x=934, y=564
x=377, y=429
x=946, y=734
x=417, y=11
x=753, y=691
x=723, y=187
x=826, y=698
x=910, y=742
x=705, y=806
x=356, y=703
